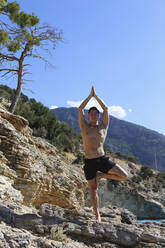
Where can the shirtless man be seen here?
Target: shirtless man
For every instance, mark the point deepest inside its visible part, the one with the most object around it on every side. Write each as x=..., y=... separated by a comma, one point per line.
x=93, y=136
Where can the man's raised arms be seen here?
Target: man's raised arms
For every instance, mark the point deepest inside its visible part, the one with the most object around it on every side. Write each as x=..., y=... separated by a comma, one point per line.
x=81, y=117
x=105, y=117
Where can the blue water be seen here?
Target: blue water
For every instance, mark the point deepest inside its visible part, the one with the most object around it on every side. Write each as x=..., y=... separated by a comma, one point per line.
x=158, y=221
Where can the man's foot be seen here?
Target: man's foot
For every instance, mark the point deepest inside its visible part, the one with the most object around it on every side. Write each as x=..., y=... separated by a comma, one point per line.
x=98, y=218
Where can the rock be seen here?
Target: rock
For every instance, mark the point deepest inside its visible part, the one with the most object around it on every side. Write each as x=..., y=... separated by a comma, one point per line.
x=128, y=217
x=123, y=197
x=38, y=173
x=16, y=238
x=78, y=227
x=8, y=193
x=18, y=122
x=40, y=192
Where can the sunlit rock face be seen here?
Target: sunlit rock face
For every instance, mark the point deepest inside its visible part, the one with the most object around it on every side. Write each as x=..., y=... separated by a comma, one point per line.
x=31, y=169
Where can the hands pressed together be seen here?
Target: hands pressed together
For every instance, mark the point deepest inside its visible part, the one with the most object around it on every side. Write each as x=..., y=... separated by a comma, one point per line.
x=93, y=93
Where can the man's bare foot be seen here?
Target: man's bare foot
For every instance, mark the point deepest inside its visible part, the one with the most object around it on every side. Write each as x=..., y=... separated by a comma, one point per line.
x=98, y=218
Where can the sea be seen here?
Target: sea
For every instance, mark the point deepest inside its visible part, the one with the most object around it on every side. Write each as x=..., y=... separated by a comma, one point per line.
x=157, y=221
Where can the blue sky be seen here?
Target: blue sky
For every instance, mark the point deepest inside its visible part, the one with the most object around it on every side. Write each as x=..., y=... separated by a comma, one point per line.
x=116, y=45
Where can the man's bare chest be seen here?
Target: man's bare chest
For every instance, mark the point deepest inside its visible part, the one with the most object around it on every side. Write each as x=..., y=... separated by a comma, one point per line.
x=96, y=132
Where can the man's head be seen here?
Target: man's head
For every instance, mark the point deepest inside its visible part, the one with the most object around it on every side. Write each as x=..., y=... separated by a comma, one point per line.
x=93, y=115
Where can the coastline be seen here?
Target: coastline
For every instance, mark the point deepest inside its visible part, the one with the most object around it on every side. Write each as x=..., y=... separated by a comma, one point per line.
x=156, y=220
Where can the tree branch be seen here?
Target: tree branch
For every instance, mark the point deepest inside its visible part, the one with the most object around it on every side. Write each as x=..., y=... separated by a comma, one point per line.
x=10, y=70
x=8, y=58
x=6, y=73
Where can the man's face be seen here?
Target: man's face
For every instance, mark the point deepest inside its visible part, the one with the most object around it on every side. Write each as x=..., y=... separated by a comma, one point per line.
x=93, y=116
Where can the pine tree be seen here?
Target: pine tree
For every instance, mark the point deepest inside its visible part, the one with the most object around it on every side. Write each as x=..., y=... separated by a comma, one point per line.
x=21, y=35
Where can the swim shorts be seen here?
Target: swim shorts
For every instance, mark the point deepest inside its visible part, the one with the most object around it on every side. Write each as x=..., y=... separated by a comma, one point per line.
x=103, y=164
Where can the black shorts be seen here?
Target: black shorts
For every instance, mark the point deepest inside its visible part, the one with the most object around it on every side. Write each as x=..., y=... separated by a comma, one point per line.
x=103, y=164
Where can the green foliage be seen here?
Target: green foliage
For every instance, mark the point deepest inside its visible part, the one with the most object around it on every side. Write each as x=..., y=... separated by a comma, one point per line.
x=22, y=19
x=2, y=4
x=107, y=150
x=19, y=35
x=79, y=158
x=43, y=122
x=146, y=172
x=5, y=92
x=120, y=155
x=63, y=140
x=26, y=20
x=4, y=38
x=136, y=179
x=14, y=46
x=14, y=40
x=130, y=158
x=12, y=8
x=161, y=178
x=58, y=234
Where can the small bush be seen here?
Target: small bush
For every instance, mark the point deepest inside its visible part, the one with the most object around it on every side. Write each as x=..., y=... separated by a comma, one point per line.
x=141, y=188
x=136, y=179
x=107, y=150
x=79, y=158
x=120, y=155
x=161, y=178
x=57, y=234
x=146, y=172
x=132, y=159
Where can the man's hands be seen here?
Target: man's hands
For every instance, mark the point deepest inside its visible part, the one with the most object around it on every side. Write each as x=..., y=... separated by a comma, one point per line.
x=84, y=103
x=93, y=93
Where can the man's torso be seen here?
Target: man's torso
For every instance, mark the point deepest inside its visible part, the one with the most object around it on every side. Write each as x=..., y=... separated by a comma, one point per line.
x=93, y=140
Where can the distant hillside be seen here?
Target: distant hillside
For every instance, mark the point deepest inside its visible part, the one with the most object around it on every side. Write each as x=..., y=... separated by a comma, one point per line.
x=126, y=137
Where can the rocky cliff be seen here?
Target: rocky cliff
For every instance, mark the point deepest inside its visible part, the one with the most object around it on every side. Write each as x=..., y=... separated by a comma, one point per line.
x=44, y=199
x=139, y=198
x=34, y=169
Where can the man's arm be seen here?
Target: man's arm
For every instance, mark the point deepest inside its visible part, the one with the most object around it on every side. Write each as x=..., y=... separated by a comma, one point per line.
x=81, y=117
x=105, y=117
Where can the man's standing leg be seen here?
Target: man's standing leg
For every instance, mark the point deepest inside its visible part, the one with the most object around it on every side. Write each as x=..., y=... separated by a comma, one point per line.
x=93, y=187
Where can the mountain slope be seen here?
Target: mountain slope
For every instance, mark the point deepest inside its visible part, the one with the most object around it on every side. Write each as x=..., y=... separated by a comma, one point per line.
x=125, y=137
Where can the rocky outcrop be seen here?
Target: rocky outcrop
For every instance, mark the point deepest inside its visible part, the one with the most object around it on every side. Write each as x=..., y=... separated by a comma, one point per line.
x=140, y=204
x=114, y=231
x=42, y=199
x=34, y=170
x=17, y=238
x=32, y=173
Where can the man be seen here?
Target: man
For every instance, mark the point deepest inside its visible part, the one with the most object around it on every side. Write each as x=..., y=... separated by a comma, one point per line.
x=93, y=135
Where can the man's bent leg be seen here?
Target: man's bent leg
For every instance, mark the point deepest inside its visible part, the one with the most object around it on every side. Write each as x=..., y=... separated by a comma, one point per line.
x=119, y=172
x=94, y=197
x=116, y=173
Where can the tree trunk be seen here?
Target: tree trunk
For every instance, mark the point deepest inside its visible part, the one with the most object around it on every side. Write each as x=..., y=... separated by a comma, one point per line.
x=19, y=88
